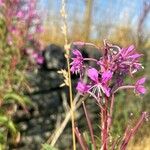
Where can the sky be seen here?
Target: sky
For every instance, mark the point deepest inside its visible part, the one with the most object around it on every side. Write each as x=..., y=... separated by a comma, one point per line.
x=100, y=6
x=118, y=11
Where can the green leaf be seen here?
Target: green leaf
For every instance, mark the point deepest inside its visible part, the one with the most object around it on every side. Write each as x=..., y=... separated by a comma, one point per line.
x=3, y=119
x=17, y=98
x=8, y=123
x=88, y=141
x=12, y=127
x=48, y=147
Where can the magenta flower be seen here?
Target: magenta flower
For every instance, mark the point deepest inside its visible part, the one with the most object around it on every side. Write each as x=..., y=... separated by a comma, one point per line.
x=20, y=15
x=82, y=87
x=139, y=87
x=97, y=84
x=93, y=74
x=40, y=59
x=128, y=60
x=106, y=76
x=1, y=2
x=113, y=69
x=129, y=53
x=106, y=90
x=77, y=63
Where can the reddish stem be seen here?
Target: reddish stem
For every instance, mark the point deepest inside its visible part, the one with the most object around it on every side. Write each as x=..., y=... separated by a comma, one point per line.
x=131, y=132
x=81, y=139
x=104, y=122
x=89, y=125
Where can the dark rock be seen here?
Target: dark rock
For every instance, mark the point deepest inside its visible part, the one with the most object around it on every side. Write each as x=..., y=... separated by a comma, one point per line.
x=54, y=57
x=46, y=97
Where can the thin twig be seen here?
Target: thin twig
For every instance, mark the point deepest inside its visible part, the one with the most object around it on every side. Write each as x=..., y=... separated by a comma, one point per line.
x=89, y=125
x=131, y=132
x=81, y=139
x=54, y=137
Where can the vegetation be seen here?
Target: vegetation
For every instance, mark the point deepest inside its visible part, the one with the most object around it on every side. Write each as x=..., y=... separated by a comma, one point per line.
x=89, y=21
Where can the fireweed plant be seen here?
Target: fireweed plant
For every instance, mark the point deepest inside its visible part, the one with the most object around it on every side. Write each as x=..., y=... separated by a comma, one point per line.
x=104, y=81
x=19, y=50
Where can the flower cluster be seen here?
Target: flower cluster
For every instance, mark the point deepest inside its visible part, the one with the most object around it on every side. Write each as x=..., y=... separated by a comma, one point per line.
x=110, y=71
x=23, y=24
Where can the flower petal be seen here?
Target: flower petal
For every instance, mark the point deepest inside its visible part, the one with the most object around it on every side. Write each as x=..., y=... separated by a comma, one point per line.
x=93, y=74
x=82, y=87
x=141, y=81
x=77, y=53
x=141, y=89
x=106, y=76
x=106, y=90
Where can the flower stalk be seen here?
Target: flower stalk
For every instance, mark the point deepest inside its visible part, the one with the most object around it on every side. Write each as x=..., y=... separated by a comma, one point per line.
x=105, y=79
x=67, y=49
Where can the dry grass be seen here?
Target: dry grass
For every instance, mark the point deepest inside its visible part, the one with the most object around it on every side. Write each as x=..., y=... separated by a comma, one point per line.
x=144, y=144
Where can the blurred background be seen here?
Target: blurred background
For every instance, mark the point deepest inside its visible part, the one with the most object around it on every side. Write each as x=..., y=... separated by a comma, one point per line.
x=122, y=22
x=35, y=79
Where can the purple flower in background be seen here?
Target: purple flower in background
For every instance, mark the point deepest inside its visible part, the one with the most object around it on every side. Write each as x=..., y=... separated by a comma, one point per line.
x=37, y=57
x=1, y=2
x=20, y=15
x=77, y=63
x=139, y=87
x=40, y=59
x=82, y=87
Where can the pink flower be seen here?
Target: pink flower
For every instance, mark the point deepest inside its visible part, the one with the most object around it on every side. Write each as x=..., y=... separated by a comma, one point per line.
x=129, y=53
x=93, y=74
x=106, y=76
x=129, y=60
x=139, y=87
x=1, y=2
x=106, y=90
x=40, y=59
x=77, y=63
x=20, y=14
x=82, y=87
x=99, y=85
x=37, y=57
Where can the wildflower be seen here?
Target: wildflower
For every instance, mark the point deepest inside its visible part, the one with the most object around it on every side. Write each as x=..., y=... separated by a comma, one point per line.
x=40, y=59
x=99, y=85
x=93, y=74
x=106, y=76
x=77, y=64
x=128, y=60
x=20, y=15
x=82, y=87
x=139, y=87
x=1, y=2
x=37, y=57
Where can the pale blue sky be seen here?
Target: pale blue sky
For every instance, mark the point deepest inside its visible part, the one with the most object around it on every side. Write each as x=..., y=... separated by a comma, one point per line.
x=104, y=11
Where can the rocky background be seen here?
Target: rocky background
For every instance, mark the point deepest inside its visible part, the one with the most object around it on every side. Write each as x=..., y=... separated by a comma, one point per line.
x=47, y=98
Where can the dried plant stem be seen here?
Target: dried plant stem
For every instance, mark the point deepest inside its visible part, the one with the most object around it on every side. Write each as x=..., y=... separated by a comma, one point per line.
x=72, y=106
x=129, y=133
x=67, y=48
x=81, y=139
x=53, y=139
